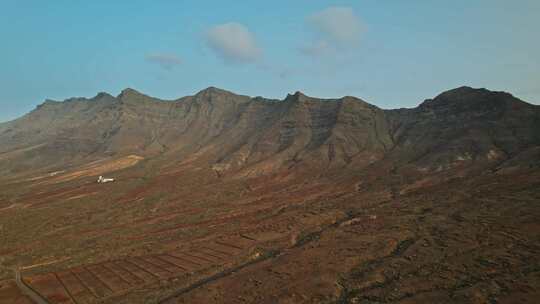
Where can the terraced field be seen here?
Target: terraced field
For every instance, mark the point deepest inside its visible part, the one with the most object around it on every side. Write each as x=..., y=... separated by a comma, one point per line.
x=98, y=282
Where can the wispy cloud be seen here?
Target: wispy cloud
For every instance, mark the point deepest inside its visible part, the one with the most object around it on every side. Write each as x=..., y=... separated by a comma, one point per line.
x=234, y=43
x=316, y=48
x=165, y=61
x=336, y=29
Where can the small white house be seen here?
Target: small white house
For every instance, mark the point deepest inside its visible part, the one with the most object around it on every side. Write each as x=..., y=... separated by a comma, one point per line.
x=103, y=180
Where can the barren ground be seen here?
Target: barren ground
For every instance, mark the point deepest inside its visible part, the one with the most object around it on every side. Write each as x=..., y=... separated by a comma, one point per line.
x=190, y=236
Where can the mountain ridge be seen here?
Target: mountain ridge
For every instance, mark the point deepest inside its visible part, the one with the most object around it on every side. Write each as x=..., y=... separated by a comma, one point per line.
x=238, y=133
x=296, y=94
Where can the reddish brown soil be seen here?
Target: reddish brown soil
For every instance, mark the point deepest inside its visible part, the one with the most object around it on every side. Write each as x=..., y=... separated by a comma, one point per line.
x=265, y=240
x=9, y=293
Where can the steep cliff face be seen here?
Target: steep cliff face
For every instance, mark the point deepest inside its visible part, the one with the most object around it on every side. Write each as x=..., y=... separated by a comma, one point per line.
x=307, y=131
x=233, y=133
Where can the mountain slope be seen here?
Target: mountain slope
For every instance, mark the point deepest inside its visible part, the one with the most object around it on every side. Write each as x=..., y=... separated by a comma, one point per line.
x=255, y=136
x=464, y=126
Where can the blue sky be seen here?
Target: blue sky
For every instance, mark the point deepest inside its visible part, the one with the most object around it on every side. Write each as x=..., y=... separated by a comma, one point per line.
x=390, y=53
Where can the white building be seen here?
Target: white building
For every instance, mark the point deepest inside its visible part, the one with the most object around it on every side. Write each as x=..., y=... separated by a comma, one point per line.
x=103, y=180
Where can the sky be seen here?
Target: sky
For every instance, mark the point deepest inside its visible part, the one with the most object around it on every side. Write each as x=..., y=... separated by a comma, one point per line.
x=390, y=53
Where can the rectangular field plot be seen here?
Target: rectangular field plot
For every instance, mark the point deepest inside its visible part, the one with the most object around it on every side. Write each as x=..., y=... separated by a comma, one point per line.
x=198, y=262
x=109, y=278
x=196, y=258
x=137, y=271
x=266, y=235
x=151, y=268
x=209, y=255
x=238, y=242
x=50, y=288
x=127, y=276
x=172, y=268
x=225, y=248
x=221, y=255
x=187, y=266
x=74, y=286
x=93, y=284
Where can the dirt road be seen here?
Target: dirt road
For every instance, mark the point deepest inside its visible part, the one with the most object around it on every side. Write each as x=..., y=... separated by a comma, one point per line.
x=27, y=290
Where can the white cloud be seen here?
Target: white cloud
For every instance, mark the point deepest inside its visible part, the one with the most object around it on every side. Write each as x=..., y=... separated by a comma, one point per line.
x=336, y=28
x=338, y=24
x=234, y=43
x=166, y=61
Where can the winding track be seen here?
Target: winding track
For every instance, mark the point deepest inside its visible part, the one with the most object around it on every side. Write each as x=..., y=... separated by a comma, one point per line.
x=37, y=298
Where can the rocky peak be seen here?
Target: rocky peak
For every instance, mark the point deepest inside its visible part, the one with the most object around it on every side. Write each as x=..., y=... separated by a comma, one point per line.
x=127, y=92
x=467, y=98
x=132, y=96
x=297, y=97
x=213, y=91
x=103, y=95
x=215, y=95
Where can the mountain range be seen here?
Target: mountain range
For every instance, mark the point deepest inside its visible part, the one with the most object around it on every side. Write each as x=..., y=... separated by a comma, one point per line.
x=224, y=198
x=238, y=135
